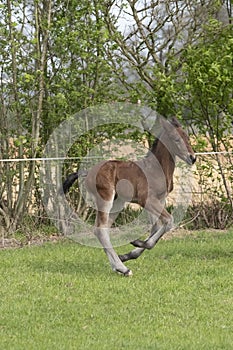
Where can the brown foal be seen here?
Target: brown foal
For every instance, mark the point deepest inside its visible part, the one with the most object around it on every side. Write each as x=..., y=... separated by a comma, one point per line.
x=147, y=182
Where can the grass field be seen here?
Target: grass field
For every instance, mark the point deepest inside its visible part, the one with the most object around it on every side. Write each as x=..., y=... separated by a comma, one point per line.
x=64, y=296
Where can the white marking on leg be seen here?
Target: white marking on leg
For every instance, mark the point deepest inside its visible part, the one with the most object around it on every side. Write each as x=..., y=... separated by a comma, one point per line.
x=115, y=262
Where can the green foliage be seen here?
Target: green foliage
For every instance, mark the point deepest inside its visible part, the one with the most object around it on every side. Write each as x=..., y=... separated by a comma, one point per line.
x=203, y=94
x=78, y=74
x=54, y=66
x=207, y=76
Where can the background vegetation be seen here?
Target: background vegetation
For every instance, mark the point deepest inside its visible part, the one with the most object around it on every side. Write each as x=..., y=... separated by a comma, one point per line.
x=59, y=57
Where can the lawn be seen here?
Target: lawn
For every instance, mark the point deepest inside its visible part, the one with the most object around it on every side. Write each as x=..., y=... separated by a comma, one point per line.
x=64, y=296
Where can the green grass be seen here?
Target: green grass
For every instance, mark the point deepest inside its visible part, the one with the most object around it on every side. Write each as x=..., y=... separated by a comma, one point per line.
x=64, y=296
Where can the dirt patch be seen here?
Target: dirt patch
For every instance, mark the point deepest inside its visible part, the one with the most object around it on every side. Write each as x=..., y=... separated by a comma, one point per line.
x=181, y=233
x=6, y=243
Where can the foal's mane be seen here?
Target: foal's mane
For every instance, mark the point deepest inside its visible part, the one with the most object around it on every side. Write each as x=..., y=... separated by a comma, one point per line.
x=154, y=145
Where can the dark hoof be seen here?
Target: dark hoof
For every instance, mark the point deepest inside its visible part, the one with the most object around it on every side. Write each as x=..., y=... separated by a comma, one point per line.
x=123, y=257
x=138, y=243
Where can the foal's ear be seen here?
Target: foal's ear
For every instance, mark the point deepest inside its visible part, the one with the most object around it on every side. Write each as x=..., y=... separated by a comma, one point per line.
x=175, y=122
x=167, y=125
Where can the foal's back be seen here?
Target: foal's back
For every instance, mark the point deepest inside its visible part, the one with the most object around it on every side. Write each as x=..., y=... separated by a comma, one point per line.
x=131, y=181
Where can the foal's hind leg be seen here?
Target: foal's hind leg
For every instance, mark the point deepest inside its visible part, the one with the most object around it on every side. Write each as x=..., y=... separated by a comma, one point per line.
x=135, y=253
x=150, y=242
x=102, y=233
x=118, y=206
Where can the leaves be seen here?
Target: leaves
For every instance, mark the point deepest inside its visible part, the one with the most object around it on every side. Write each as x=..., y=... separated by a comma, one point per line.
x=50, y=71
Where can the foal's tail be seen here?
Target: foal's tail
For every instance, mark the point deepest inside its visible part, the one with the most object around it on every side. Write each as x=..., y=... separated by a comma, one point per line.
x=72, y=178
x=69, y=181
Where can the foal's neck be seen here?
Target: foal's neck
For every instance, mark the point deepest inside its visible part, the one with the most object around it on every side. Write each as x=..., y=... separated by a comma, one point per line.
x=165, y=159
x=162, y=153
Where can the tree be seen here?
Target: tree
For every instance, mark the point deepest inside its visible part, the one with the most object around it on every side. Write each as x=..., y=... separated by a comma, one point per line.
x=177, y=57
x=59, y=57
x=52, y=65
x=149, y=36
x=22, y=91
x=206, y=92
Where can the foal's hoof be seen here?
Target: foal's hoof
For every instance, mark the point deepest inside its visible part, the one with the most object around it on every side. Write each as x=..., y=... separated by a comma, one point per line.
x=123, y=257
x=138, y=243
x=128, y=273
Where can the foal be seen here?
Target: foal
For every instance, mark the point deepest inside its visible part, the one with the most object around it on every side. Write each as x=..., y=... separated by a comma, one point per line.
x=146, y=182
